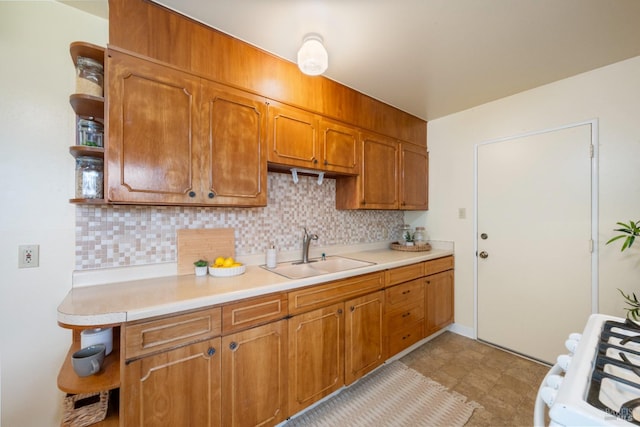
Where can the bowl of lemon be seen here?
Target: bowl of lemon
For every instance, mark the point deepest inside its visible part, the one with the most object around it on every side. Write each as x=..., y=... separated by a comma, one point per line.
x=226, y=267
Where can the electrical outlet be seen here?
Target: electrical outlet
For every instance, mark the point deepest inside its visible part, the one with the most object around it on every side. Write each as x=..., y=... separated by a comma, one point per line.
x=28, y=256
x=462, y=213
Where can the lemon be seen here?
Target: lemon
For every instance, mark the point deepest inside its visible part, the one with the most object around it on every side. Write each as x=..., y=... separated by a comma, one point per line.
x=228, y=262
x=219, y=261
x=236, y=264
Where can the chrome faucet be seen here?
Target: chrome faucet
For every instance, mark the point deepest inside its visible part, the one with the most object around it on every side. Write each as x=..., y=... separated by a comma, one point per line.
x=306, y=240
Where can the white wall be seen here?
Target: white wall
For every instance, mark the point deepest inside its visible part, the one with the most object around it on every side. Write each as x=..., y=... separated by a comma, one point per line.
x=37, y=176
x=610, y=94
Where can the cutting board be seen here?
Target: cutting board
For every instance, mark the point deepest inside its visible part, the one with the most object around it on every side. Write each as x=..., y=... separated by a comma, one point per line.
x=203, y=243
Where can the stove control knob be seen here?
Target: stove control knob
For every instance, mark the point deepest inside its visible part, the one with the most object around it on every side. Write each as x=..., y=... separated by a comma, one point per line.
x=554, y=381
x=548, y=395
x=564, y=361
x=571, y=345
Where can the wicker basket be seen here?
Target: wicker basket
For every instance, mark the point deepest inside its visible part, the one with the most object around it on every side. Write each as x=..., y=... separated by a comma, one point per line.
x=82, y=410
x=421, y=248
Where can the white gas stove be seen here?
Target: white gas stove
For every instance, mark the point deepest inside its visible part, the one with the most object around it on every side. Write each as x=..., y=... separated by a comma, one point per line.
x=601, y=381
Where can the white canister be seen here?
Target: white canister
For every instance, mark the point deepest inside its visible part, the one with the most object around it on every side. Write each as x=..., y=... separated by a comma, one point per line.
x=97, y=336
x=271, y=257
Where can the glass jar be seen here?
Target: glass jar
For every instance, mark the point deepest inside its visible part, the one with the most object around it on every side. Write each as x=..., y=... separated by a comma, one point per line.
x=89, y=76
x=406, y=235
x=420, y=236
x=89, y=178
x=90, y=133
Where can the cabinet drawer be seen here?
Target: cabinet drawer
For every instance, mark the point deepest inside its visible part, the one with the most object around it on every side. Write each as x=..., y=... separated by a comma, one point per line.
x=437, y=265
x=400, y=319
x=400, y=340
x=407, y=293
x=404, y=274
x=256, y=311
x=322, y=295
x=151, y=336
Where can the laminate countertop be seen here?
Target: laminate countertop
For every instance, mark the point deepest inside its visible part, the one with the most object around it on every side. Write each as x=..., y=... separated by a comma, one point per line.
x=115, y=303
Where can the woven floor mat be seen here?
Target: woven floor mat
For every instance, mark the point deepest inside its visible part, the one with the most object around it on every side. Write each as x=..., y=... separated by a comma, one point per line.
x=395, y=395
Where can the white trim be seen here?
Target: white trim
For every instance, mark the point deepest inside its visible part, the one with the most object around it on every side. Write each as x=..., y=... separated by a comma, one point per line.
x=594, y=210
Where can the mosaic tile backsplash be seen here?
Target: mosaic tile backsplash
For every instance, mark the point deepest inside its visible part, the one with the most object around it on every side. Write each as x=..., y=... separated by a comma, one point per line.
x=122, y=236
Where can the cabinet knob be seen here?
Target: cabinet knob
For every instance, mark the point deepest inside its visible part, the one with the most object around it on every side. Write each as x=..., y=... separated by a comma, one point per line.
x=192, y=194
x=212, y=195
x=326, y=162
x=315, y=161
x=339, y=311
x=233, y=345
x=211, y=351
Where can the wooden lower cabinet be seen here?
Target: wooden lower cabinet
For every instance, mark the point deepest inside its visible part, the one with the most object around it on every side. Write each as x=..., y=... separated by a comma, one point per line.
x=316, y=355
x=254, y=376
x=364, y=345
x=174, y=387
x=439, y=301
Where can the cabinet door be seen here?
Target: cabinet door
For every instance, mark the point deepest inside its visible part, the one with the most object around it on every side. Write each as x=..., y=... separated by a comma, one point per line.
x=379, y=176
x=439, y=301
x=414, y=170
x=179, y=387
x=151, y=150
x=363, y=335
x=340, y=147
x=292, y=136
x=233, y=124
x=254, y=379
x=316, y=355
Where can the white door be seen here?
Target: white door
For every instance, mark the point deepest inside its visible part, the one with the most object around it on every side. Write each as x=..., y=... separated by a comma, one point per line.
x=534, y=226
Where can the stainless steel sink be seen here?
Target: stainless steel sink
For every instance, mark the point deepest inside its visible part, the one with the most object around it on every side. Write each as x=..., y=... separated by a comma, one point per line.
x=316, y=267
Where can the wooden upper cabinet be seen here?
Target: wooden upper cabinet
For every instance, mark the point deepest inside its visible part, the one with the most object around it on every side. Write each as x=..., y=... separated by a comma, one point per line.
x=293, y=137
x=177, y=139
x=414, y=176
x=340, y=147
x=234, y=123
x=379, y=175
x=151, y=154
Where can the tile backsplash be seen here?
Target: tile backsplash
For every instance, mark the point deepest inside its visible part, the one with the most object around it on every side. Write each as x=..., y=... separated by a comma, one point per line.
x=123, y=236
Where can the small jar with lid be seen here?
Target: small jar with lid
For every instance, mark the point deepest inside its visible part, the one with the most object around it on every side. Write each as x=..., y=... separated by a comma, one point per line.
x=420, y=236
x=89, y=76
x=90, y=133
x=89, y=177
x=406, y=236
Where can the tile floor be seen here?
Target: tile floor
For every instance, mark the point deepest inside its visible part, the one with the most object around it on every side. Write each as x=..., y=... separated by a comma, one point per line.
x=503, y=383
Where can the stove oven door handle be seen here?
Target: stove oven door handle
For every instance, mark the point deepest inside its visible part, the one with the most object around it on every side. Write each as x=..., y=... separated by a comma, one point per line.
x=540, y=406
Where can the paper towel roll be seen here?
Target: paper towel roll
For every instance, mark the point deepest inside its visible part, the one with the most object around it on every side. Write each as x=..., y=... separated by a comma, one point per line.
x=97, y=336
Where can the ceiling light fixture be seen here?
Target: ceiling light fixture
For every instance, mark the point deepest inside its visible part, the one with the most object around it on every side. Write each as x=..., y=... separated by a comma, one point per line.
x=313, y=59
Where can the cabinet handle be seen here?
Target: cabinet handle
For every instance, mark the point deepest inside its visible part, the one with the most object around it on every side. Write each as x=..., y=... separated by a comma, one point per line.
x=406, y=336
x=339, y=311
x=326, y=162
x=406, y=314
x=352, y=308
x=315, y=161
x=212, y=195
x=406, y=292
x=192, y=194
x=233, y=345
x=211, y=351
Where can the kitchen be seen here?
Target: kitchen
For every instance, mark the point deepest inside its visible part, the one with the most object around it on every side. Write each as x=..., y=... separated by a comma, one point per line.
x=38, y=108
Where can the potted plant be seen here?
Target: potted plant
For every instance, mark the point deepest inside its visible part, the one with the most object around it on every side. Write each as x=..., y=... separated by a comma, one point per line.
x=629, y=233
x=408, y=238
x=201, y=267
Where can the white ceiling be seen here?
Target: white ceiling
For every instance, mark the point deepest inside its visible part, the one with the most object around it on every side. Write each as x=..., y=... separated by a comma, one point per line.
x=432, y=58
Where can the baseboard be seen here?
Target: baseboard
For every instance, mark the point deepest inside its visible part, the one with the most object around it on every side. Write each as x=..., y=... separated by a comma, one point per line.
x=465, y=331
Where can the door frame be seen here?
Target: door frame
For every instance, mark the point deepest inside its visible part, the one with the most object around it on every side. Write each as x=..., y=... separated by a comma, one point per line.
x=594, y=209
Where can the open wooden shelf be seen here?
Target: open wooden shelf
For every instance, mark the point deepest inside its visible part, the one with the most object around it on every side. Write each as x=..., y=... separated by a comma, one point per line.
x=107, y=379
x=86, y=50
x=86, y=150
x=87, y=105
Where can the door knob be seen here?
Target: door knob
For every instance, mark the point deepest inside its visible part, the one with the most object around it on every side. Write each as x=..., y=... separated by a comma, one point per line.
x=484, y=255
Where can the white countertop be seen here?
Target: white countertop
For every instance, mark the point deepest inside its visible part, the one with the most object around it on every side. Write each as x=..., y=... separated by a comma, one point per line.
x=124, y=301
